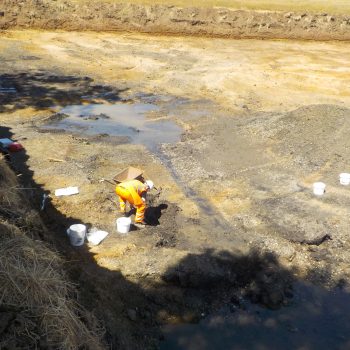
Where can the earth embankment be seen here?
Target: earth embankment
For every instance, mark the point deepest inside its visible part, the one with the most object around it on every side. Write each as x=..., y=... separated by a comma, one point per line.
x=169, y=19
x=38, y=307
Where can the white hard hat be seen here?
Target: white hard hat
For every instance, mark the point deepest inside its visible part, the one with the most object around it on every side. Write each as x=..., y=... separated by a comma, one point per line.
x=149, y=183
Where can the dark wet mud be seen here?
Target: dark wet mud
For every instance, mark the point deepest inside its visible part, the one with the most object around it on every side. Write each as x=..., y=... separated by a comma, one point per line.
x=313, y=319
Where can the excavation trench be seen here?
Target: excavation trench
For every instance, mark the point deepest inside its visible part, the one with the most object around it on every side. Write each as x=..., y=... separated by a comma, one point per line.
x=278, y=314
x=235, y=132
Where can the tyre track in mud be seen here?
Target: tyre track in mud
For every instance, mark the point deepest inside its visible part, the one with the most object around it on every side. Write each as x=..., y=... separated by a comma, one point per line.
x=212, y=216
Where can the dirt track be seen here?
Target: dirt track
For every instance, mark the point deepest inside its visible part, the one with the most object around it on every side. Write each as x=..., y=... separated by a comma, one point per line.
x=262, y=120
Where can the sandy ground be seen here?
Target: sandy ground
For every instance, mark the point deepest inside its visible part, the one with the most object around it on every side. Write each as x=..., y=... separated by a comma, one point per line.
x=262, y=120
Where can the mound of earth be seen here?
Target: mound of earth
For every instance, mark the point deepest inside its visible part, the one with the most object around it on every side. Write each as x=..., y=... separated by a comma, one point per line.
x=169, y=19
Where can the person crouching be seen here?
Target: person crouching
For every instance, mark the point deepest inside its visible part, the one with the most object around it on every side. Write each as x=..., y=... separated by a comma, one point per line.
x=134, y=192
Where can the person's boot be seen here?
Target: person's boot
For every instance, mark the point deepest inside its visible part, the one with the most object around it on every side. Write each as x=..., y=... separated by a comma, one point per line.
x=131, y=211
x=141, y=224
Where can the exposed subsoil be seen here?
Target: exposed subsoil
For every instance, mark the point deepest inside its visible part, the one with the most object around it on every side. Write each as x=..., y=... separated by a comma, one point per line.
x=169, y=19
x=236, y=217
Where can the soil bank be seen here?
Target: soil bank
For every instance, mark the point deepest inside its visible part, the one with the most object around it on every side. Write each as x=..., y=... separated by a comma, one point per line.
x=169, y=19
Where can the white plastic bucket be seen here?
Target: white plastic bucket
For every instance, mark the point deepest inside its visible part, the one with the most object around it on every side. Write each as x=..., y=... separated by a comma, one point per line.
x=344, y=178
x=123, y=225
x=77, y=234
x=319, y=188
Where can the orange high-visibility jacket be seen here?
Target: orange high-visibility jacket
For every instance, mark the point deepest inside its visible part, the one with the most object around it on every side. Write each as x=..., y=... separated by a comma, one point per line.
x=135, y=188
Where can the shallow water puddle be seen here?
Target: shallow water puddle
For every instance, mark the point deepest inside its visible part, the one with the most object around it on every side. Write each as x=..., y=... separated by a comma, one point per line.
x=119, y=120
x=316, y=320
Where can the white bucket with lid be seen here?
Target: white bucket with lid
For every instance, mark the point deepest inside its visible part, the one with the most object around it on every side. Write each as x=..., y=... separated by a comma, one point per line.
x=123, y=225
x=344, y=178
x=77, y=234
x=319, y=188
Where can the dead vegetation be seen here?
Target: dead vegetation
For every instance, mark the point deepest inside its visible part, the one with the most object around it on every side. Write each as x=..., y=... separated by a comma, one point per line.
x=38, y=307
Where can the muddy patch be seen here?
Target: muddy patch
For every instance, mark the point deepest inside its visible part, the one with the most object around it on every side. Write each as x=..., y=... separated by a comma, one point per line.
x=315, y=319
x=166, y=215
x=121, y=119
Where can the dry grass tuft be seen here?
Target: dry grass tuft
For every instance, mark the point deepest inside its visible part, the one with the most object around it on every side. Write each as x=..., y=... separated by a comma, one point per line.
x=14, y=205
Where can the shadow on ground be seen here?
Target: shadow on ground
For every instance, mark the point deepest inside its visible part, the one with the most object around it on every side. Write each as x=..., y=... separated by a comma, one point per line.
x=41, y=90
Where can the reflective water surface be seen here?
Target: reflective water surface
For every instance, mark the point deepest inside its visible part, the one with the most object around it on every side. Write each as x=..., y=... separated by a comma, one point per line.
x=119, y=119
